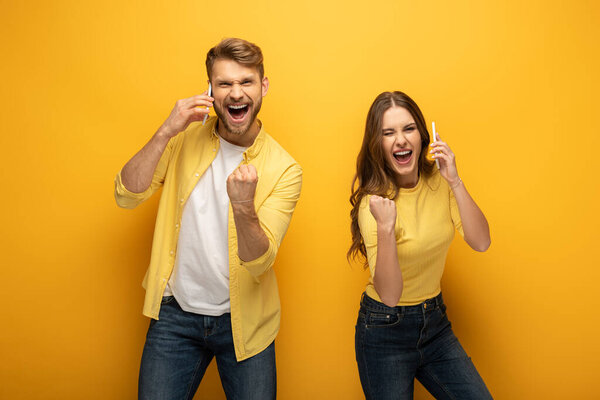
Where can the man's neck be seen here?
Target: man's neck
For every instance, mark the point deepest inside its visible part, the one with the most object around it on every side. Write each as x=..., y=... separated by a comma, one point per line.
x=244, y=140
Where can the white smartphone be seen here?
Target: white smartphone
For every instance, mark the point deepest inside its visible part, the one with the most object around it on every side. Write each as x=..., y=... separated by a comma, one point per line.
x=434, y=133
x=210, y=94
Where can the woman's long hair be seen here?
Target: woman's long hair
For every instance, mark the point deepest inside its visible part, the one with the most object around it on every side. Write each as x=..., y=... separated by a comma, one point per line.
x=373, y=174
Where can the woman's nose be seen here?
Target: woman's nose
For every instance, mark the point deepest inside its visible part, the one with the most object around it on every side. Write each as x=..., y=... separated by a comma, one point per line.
x=401, y=140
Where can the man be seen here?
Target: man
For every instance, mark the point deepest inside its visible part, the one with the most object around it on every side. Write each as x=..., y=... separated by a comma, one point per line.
x=229, y=191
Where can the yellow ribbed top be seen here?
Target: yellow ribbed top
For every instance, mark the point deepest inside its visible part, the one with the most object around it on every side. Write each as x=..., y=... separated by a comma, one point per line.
x=426, y=217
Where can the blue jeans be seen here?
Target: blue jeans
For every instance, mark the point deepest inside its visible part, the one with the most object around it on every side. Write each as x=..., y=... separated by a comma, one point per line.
x=180, y=345
x=395, y=345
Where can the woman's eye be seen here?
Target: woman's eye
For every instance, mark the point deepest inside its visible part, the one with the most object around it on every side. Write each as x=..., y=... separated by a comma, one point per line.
x=410, y=129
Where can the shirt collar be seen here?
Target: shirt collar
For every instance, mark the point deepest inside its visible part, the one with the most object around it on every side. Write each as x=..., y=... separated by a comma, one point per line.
x=251, y=151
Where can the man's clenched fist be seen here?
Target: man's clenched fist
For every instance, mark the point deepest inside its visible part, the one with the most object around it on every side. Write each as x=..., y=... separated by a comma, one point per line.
x=241, y=184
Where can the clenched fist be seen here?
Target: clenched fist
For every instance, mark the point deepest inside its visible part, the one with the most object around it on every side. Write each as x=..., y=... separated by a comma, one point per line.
x=241, y=184
x=384, y=211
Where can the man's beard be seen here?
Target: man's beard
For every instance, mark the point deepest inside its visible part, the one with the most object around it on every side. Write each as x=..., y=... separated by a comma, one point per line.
x=238, y=130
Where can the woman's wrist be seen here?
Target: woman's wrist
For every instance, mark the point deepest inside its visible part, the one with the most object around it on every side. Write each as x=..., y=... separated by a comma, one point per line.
x=456, y=183
x=386, y=228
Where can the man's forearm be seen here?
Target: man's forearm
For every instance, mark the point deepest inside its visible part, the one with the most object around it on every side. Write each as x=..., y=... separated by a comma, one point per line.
x=137, y=174
x=252, y=240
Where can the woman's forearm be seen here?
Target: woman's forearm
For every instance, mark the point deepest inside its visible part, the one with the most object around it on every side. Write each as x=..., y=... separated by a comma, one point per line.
x=474, y=223
x=388, y=276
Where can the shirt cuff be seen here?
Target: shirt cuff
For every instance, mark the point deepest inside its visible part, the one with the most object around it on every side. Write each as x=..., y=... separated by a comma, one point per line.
x=259, y=265
x=126, y=198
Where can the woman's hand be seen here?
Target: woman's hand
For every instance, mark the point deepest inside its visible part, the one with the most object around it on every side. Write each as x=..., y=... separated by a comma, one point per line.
x=442, y=152
x=475, y=226
x=387, y=278
x=384, y=211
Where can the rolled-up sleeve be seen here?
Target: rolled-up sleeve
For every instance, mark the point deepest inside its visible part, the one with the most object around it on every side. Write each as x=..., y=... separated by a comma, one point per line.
x=274, y=216
x=127, y=199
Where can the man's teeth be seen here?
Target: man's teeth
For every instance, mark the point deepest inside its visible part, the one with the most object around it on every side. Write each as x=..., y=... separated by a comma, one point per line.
x=238, y=107
x=402, y=153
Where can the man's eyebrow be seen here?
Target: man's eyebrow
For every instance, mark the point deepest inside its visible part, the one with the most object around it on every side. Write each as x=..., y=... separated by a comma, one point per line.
x=244, y=79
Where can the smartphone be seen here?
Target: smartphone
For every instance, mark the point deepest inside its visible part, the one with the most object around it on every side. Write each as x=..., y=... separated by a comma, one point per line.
x=433, y=139
x=210, y=94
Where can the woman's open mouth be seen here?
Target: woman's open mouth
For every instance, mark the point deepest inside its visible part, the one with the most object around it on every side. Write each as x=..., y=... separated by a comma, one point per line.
x=403, y=157
x=238, y=112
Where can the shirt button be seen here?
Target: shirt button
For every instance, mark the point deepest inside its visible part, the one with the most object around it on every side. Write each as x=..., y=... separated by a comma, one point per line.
x=181, y=200
x=197, y=174
x=171, y=252
x=176, y=226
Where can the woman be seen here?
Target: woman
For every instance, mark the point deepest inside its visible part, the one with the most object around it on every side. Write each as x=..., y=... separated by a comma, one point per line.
x=404, y=214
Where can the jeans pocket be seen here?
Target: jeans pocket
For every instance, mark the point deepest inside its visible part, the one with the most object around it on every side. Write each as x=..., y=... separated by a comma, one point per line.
x=442, y=309
x=166, y=300
x=379, y=320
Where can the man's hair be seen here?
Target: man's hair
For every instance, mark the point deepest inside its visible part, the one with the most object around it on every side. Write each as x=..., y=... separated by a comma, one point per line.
x=238, y=50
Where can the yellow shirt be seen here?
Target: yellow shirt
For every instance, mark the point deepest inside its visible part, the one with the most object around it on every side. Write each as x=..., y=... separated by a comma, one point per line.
x=254, y=297
x=426, y=217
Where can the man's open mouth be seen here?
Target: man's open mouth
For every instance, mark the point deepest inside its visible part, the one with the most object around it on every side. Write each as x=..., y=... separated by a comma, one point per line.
x=403, y=156
x=237, y=111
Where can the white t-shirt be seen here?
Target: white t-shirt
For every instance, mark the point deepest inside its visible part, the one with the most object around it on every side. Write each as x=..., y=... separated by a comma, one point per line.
x=200, y=278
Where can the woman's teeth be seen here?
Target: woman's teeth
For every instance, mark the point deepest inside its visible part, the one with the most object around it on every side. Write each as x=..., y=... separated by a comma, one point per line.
x=402, y=155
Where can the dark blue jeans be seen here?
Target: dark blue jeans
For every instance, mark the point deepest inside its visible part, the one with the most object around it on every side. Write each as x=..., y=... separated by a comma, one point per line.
x=180, y=345
x=395, y=345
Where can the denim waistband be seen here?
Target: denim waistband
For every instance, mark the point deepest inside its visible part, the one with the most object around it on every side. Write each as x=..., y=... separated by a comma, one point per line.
x=375, y=306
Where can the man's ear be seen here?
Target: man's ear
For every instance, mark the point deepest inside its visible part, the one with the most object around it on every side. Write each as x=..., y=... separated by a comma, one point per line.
x=265, y=86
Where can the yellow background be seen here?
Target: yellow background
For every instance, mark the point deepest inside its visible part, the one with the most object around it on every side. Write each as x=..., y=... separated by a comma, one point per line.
x=513, y=87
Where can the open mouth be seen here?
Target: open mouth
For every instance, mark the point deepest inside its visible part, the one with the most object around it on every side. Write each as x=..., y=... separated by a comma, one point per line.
x=237, y=112
x=403, y=156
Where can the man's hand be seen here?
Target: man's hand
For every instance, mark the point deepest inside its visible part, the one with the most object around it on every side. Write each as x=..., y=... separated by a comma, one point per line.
x=241, y=184
x=185, y=112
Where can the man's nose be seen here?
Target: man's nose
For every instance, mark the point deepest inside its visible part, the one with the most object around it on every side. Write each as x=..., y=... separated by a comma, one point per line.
x=236, y=92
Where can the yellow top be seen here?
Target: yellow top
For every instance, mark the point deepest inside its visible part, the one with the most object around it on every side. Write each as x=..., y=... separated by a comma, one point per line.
x=253, y=292
x=426, y=217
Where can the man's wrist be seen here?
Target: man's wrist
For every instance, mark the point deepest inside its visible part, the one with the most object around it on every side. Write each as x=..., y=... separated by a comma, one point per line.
x=245, y=207
x=163, y=134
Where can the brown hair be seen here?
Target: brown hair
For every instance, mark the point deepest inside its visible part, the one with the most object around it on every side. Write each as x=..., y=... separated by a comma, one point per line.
x=238, y=50
x=373, y=174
